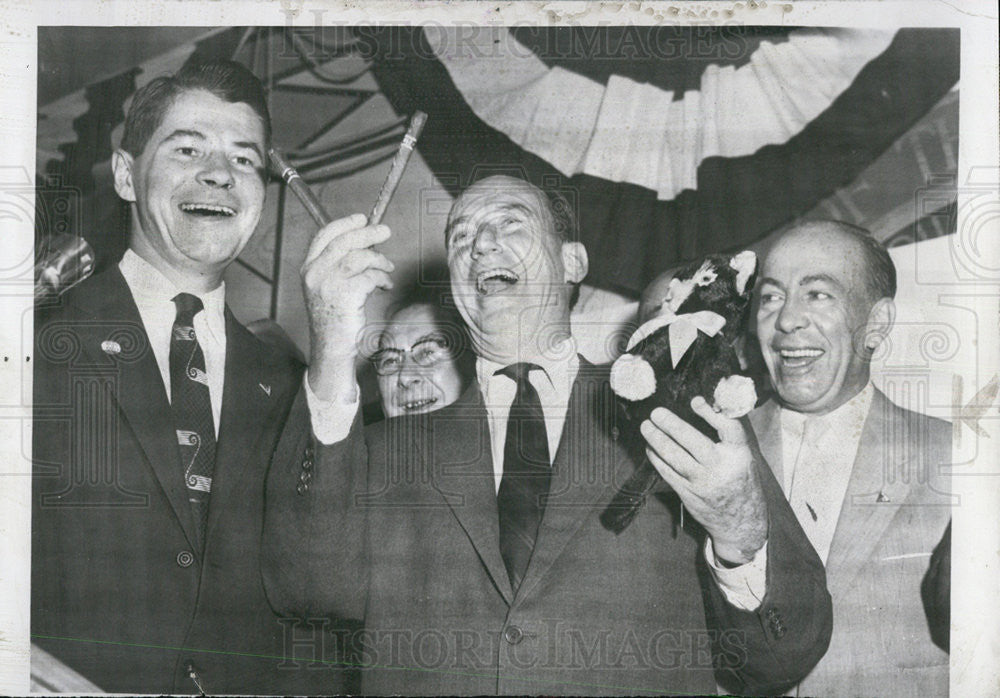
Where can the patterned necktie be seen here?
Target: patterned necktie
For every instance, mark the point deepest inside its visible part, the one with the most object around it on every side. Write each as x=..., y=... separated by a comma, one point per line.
x=527, y=472
x=192, y=408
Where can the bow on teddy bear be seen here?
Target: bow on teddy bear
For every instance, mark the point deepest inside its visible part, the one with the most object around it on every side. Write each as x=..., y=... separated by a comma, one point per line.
x=687, y=349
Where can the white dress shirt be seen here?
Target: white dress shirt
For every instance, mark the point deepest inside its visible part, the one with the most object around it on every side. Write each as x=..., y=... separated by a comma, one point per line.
x=817, y=457
x=554, y=383
x=153, y=294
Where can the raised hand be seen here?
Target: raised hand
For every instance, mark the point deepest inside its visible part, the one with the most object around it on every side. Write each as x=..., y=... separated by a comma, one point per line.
x=717, y=482
x=338, y=275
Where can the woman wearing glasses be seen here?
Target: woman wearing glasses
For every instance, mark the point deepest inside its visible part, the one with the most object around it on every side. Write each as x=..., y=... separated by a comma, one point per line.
x=422, y=362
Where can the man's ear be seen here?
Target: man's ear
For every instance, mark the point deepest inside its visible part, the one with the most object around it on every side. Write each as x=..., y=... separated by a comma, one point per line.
x=880, y=320
x=575, y=263
x=121, y=165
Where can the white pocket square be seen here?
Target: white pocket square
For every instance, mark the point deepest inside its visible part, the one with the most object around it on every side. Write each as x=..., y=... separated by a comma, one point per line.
x=905, y=556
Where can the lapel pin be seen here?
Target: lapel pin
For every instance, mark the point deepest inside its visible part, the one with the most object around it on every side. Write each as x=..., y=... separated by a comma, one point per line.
x=110, y=346
x=266, y=388
x=881, y=497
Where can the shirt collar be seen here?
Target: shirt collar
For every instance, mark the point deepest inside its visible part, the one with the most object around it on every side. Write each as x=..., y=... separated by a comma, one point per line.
x=151, y=290
x=848, y=418
x=560, y=366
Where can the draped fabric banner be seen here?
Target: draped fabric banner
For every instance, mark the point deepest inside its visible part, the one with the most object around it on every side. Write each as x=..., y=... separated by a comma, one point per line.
x=673, y=142
x=637, y=132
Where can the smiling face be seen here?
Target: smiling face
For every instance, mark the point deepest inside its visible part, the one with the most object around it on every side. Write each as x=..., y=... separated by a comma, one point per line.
x=511, y=273
x=197, y=187
x=813, y=318
x=414, y=337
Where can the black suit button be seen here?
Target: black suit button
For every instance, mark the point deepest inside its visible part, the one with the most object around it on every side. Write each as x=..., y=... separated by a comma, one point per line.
x=302, y=487
x=185, y=558
x=307, y=464
x=309, y=453
x=513, y=634
x=305, y=476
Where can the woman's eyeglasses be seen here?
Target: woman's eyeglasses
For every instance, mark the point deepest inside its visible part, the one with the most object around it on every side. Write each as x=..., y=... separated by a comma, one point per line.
x=425, y=352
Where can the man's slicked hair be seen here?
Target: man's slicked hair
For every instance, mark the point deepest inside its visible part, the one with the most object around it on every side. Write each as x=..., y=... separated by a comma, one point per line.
x=563, y=217
x=564, y=221
x=227, y=80
x=880, y=277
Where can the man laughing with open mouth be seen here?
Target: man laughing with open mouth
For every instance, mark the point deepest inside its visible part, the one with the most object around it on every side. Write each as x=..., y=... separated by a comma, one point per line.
x=512, y=279
x=816, y=311
x=198, y=187
x=161, y=553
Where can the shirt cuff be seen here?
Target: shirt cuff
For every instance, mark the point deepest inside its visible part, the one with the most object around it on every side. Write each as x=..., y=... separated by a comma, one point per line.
x=743, y=586
x=331, y=421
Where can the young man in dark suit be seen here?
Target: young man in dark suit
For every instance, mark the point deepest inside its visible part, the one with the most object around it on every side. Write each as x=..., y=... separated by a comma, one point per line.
x=477, y=527
x=156, y=413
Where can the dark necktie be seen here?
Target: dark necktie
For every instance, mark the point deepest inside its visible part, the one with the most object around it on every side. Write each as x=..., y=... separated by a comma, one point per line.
x=527, y=472
x=192, y=408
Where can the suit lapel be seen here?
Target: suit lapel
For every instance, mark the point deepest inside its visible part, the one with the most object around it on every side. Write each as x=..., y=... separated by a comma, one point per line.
x=140, y=393
x=875, y=492
x=462, y=458
x=246, y=398
x=590, y=463
x=766, y=423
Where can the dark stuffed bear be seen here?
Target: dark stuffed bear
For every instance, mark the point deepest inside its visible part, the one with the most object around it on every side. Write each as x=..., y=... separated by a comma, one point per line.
x=687, y=349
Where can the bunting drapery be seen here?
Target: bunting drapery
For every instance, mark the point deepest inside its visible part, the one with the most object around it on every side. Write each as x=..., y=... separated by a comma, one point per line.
x=723, y=192
x=625, y=130
x=671, y=142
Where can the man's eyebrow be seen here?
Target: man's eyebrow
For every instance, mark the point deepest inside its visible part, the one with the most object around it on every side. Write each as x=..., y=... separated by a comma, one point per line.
x=184, y=133
x=813, y=278
x=514, y=207
x=191, y=133
x=772, y=282
x=252, y=146
x=522, y=208
x=502, y=208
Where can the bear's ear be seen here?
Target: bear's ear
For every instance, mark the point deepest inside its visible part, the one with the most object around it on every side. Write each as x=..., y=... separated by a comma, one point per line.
x=745, y=264
x=678, y=292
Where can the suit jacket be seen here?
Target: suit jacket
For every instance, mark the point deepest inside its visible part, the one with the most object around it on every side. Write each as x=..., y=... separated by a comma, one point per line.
x=397, y=526
x=120, y=591
x=896, y=509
